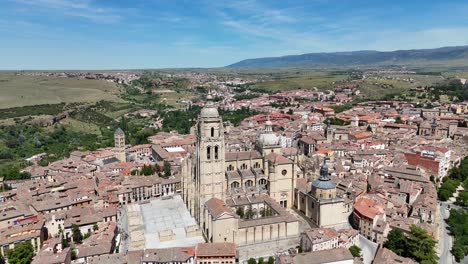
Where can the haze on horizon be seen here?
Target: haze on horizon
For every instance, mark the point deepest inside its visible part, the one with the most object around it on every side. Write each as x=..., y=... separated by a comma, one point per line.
x=108, y=34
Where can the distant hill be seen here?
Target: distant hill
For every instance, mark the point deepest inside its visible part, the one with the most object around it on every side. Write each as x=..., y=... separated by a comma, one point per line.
x=447, y=56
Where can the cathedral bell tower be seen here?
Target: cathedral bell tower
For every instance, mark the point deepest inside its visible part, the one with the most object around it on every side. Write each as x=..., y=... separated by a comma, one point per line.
x=119, y=144
x=210, y=177
x=329, y=132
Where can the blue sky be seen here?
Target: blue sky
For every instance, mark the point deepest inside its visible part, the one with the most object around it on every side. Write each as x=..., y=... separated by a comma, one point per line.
x=116, y=34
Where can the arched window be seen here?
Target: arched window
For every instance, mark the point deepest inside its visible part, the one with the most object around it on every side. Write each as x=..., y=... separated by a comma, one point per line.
x=216, y=152
x=235, y=185
x=230, y=167
x=208, y=152
x=243, y=166
x=249, y=183
x=212, y=132
x=256, y=165
x=262, y=182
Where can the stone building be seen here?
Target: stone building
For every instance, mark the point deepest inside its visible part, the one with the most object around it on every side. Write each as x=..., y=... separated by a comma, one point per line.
x=242, y=196
x=320, y=203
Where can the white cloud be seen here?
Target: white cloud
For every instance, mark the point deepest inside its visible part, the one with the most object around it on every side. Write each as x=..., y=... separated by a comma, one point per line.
x=84, y=9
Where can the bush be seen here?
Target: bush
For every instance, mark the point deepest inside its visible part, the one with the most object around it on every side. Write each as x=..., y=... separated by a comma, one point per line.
x=22, y=253
x=252, y=261
x=355, y=251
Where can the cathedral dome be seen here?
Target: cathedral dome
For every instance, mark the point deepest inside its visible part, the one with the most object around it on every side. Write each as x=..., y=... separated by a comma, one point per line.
x=268, y=139
x=324, y=185
x=209, y=111
x=324, y=181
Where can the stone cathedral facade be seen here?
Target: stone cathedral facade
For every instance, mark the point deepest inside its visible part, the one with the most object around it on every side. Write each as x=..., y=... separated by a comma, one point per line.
x=244, y=196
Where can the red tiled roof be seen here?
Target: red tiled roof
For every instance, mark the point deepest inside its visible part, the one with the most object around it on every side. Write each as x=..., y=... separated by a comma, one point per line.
x=368, y=207
x=223, y=249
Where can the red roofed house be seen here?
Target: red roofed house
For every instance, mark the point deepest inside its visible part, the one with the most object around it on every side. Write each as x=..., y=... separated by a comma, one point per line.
x=210, y=253
x=369, y=218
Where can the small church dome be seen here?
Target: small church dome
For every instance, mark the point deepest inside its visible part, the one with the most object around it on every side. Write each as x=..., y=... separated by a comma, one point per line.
x=209, y=111
x=324, y=181
x=268, y=139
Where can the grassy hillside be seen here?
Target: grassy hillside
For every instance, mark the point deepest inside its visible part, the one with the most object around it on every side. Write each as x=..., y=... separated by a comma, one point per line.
x=35, y=90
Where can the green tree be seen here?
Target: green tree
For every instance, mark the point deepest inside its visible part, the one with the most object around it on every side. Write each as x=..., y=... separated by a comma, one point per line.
x=398, y=120
x=420, y=245
x=261, y=261
x=396, y=241
x=458, y=225
x=64, y=243
x=167, y=168
x=73, y=255
x=271, y=260
x=2, y=259
x=462, y=198
x=252, y=261
x=147, y=170
x=21, y=254
x=355, y=251
x=76, y=234
x=95, y=227
x=240, y=212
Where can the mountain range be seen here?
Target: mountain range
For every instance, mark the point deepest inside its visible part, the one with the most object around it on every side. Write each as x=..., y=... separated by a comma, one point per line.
x=446, y=56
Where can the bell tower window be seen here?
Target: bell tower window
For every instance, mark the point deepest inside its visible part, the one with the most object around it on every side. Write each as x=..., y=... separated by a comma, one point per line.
x=212, y=132
x=216, y=152
x=208, y=152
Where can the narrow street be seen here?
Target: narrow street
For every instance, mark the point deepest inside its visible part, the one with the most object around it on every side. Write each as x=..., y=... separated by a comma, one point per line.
x=369, y=249
x=445, y=240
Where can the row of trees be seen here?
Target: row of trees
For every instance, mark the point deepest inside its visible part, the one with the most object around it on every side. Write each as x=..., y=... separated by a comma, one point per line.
x=270, y=260
x=149, y=170
x=249, y=213
x=236, y=116
x=458, y=225
x=417, y=244
x=450, y=184
x=336, y=122
x=453, y=89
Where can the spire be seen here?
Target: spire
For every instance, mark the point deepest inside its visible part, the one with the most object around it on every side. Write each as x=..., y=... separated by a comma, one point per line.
x=209, y=97
x=324, y=172
x=268, y=125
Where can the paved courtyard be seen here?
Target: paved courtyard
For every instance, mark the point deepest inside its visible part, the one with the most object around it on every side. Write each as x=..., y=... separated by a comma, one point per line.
x=168, y=216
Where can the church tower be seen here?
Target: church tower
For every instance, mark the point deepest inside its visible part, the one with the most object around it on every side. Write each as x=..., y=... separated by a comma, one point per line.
x=329, y=132
x=324, y=187
x=119, y=144
x=210, y=178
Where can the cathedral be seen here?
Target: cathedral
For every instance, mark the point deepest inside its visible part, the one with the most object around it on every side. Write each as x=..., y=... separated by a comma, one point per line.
x=246, y=197
x=241, y=196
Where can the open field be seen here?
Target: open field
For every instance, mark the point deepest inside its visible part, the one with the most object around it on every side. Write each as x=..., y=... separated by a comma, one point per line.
x=21, y=90
x=302, y=80
x=77, y=125
x=175, y=99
